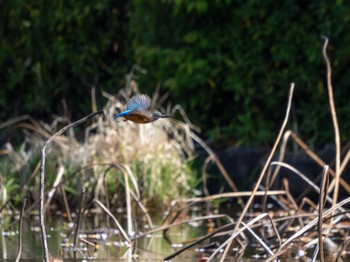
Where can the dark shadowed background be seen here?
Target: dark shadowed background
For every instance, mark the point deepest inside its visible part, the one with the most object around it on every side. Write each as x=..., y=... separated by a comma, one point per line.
x=228, y=63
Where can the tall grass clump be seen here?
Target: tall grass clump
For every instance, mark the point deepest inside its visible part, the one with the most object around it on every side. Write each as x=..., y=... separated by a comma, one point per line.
x=157, y=156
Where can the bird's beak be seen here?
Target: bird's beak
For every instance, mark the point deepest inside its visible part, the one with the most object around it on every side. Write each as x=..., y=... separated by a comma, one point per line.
x=166, y=116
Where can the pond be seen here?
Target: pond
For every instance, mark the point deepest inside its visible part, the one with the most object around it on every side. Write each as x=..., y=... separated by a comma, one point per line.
x=96, y=241
x=99, y=239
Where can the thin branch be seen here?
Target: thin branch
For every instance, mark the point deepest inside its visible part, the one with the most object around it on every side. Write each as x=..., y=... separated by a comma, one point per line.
x=42, y=179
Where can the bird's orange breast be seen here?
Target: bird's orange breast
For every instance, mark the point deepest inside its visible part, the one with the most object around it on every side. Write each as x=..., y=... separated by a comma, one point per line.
x=139, y=119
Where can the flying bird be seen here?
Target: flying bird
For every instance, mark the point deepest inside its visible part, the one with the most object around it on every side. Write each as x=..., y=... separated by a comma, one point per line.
x=137, y=111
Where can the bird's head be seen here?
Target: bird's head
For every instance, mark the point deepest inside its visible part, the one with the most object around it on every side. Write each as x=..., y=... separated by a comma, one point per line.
x=156, y=116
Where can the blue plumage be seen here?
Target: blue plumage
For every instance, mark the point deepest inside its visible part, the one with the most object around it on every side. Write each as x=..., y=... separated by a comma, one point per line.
x=137, y=110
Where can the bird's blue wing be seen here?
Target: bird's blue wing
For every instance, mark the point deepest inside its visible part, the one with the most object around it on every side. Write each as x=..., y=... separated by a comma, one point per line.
x=139, y=102
x=124, y=113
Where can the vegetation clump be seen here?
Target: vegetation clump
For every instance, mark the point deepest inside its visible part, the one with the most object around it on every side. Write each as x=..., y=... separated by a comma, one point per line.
x=158, y=155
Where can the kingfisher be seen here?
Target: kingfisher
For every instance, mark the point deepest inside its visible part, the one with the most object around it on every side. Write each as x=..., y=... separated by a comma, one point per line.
x=137, y=110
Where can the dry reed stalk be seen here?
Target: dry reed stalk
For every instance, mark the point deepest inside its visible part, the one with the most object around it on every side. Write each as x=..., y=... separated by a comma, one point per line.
x=133, y=248
x=345, y=244
x=318, y=160
x=345, y=162
x=321, y=203
x=144, y=209
x=313, y=156
x=229, y=195
x=274, y=229
x=106, y=196
x=304, y=201
x=121, y=167
x=250, y=200
x=201, y=239
x=65, y=201
x=304, y=215
x=126, y=170
x=125, y=235
x=335, y=122
x=127, y=173
x=204, y=176
x=307, y=180
x=50, y=194
x=283, y=203
x=280, y=158
x=306, y=228
x=128, y=204
x=216, y=160
x=196, y=200
x=260, y=241
x=178, y=213
x=42, y=179
x=61, y=141
x=195, y=219
x=290, y=197
x=20, y=232
x=235, y=233
x=291, y=200
x=185, y=117
x=14, y=121
x=93, y=99
x=216, y=233
x=80, y=213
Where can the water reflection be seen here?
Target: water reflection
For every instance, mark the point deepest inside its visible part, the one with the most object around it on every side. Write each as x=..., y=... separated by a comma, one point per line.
x=96, y=241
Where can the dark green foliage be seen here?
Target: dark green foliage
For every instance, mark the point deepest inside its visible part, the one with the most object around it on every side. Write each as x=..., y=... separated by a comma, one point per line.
x=229, y=63
x=53, y=50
